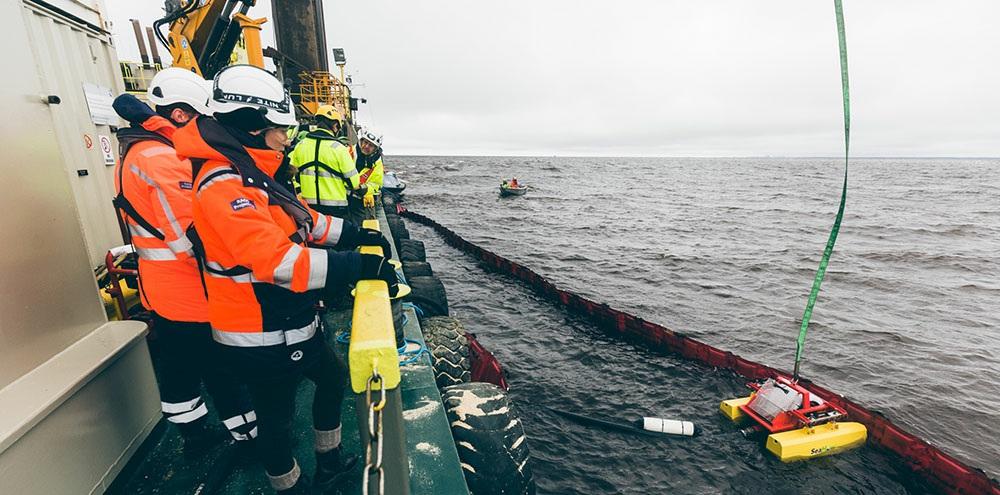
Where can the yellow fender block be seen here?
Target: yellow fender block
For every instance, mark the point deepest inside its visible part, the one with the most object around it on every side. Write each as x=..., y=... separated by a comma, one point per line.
x=809, y=442
x=731, y=408
x=373, y=340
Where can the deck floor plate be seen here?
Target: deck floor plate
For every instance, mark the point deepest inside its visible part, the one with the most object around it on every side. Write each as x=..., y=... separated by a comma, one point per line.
x=434, y=465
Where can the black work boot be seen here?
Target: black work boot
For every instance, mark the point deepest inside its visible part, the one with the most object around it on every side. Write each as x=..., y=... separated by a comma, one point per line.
x=246, y=452
x=301, y=487
x=199, y=438
x=332, y=471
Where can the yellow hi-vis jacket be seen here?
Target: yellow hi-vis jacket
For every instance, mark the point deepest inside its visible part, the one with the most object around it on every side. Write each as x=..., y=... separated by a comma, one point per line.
x=372, y=177
x=370, y=167
x=325, y=169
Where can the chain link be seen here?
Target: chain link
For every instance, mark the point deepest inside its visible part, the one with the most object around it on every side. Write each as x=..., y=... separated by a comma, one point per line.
x=374, y=434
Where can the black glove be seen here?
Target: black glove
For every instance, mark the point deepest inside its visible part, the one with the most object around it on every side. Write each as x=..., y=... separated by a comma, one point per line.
x=343, y=269
x=374, y=267
x=369, y=237
x=360, y=191
x=132, y=109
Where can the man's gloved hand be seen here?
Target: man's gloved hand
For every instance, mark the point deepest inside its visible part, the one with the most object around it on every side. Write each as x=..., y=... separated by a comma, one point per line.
x=369, y=200
x=359, y=192
x=370, y=237
x=374, y=267
x=352, y=236
x=132, y=109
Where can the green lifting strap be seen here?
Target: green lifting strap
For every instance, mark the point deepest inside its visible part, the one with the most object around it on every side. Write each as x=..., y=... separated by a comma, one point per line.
x=821, y=272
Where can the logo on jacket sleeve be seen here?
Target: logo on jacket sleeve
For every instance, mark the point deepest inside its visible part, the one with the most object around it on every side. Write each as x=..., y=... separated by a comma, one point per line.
x=185, y=185
x=240, y=203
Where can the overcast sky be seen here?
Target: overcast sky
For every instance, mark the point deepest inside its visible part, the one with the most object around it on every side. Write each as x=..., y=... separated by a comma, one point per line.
x=663, y=77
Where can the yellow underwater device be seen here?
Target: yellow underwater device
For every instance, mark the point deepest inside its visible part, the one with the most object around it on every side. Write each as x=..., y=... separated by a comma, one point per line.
x=800, y=425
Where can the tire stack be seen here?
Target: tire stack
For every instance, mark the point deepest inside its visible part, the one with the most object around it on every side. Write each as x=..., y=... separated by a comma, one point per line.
x=488, y=434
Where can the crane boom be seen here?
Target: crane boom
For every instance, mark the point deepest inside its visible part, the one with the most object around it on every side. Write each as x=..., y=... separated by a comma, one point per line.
x=203, y=33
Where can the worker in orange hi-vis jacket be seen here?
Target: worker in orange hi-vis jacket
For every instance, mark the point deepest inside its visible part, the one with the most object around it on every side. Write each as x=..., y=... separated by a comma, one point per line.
x=154, y=201
x=267, y=260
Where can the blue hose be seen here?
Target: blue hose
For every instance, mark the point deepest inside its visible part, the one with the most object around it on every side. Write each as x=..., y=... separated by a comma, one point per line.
x=416, y=309
x=414, y=355
x=410, y=357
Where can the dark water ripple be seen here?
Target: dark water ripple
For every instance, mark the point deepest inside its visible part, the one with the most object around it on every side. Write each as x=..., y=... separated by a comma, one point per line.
x=725, y=250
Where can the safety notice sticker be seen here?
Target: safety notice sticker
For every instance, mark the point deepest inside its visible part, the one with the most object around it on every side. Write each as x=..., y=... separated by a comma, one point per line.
x=105, y=142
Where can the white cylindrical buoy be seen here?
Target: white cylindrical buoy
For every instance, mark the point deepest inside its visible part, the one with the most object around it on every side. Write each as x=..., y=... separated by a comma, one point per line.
x=669, y=426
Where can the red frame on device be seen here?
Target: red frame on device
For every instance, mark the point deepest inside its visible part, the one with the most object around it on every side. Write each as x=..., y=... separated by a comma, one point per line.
x=790, y=420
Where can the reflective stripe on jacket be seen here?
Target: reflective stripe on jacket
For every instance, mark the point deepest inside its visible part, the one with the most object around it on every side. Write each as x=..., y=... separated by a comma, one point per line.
x=372, y=176
x=260, y=273
x=325, y=169
x=156, y=185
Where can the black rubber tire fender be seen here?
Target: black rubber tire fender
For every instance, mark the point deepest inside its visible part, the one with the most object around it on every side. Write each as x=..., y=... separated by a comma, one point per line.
x=397, y=228
x=412, y=250
x=449, y=348
x=429, y=295
x=490, y=439
x=417, y=269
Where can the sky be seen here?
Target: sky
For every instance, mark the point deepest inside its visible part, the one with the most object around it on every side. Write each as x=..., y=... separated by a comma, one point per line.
x=662, y=77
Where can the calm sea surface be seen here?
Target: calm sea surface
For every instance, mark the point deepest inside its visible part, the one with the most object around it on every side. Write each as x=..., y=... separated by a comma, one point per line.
x=725, y=250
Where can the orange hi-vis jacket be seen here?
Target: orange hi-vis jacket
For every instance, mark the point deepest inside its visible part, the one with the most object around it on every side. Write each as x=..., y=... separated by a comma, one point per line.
x=154, y=201
x=260, y=272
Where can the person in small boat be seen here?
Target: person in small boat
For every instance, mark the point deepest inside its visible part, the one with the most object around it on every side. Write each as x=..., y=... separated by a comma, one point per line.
x=267, y=258
x=369, y=165
x=513, y=183
x=325, y=168
x=154, y=202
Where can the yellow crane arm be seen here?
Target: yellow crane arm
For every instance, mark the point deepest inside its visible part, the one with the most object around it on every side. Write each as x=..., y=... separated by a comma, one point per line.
x=203, y=33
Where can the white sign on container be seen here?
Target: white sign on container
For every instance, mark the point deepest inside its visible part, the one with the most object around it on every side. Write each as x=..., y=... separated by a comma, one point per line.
x=99, y=101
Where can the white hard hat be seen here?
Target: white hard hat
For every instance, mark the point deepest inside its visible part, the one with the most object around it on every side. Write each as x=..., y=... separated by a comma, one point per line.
x=246, y=86
x=175, y=85
x=369, y=134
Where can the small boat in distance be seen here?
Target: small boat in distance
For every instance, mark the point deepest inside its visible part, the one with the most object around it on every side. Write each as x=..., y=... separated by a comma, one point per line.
x=512, y=188
x=392, y=184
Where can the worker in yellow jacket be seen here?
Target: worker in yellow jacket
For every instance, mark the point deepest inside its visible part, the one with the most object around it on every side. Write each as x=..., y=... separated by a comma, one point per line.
x=325, y=168
x=368, y=162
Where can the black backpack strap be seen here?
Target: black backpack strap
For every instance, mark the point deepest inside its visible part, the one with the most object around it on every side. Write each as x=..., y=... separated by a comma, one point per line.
x=127, y=138
x=199, y=255
x=124, y=205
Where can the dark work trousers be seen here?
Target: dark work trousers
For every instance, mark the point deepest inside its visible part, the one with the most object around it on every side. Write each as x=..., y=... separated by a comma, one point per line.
x=333, y=211
x=273, y=374
x=357, y=212
x=185, y=356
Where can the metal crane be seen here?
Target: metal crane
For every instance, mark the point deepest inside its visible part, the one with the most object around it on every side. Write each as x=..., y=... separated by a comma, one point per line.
x=203, y=33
